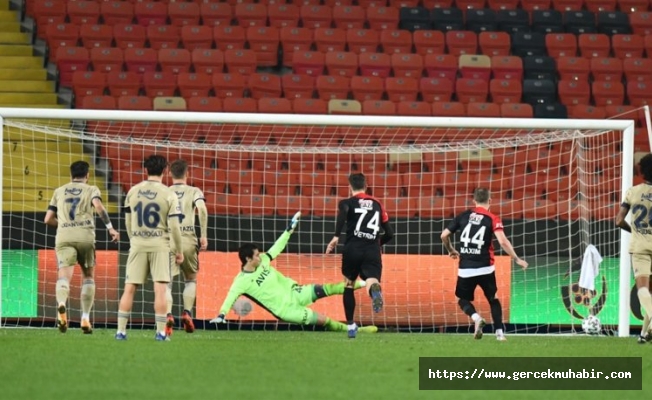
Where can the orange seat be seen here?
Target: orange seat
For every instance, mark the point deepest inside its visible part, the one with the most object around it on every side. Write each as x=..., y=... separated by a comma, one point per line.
x=117, y=12
x=239, y=105
x=309, y=106
x=264, y=85
x=396, y=41
x=97, y=102
x=88, y=83
x=204, y=104
x=257, y=205
x=193, y=84
x=123, y=83
x=182, y=14
x=641, y=23
x=461, y=42
x=633, y=6
x=151, y=13
x=83, y=12
x=638, y=93
x=324, y=206
x=61, y=35
x=333, y=87
x=367, y=88
x=539, y=209
x=222, y=203
x=196, y=37
x=601, y=5
x=567, y=5
x=505, y=90
x=294, y=40
x=208, y=61
x=52, y=12
x=341, y=63
x=129, y=36
x=107, y=59
x=297, y=86
x=137, y=103
x=174, y=60
x=308, y=63
x=574, y=92
x=69, y=60
x=422, y=184
x=362, y=40
x=436, y=89
x=264, y=41
x=141, y=60
x=516, y=110
x=448, y=109
x=627, y=46
x=401, y=89
x=429, y=42
x=378, y=107
x=472, y=90
x=382, y=18
x=507, y=67
x=441, y=66
x=637, y=69
x=483, y=110
x=606, y=69
x=608, y=93
x=582, y=111
x=248, y=14
x=316, y=16
x=401, y=207
x=348, y=17
x=240, y=61
x=594, y=45
x=228, y=85
x=159, y=84
x=288, y=205
x=375, y=64
x=216, y=14
x=407, y=65
x=508, y=209
x=93, y=35
x=561, y=45
x=270, y=105
x=163, y=37
x=283, y=15
x=330, y=39
x=503, y=4
x=229, y=37
x=573, y=68
x=625, y=112
x=414, y=108
x=434, y=207
x=494, y=43
x=312, y=183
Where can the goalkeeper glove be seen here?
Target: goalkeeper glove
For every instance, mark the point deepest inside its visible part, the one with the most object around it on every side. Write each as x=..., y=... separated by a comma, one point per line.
x=294, y=222
x=218, y=320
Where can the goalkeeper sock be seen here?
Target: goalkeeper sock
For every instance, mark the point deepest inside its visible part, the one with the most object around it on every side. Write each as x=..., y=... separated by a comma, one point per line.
x=349, y=305
x=189, y=295
x=62, y=290
x=123, y=318
x=331, y=289
x=87, y=296
x=646, y=300
x=335, y=326
x=161, y=321
x=168, y=297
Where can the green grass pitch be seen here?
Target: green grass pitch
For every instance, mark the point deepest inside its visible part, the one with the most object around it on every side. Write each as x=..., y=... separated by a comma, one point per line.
x=224, y=365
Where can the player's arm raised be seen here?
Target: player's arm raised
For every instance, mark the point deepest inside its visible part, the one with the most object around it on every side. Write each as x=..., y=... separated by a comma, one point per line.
x=507, y=246
x=203, y=223
x=278, y=246
x=104, y=216
x=343, y=212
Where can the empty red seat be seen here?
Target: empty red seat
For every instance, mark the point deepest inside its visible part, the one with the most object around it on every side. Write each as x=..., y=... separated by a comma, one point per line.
x=240, y=61
x=93, y=35
x=436, y=89
x=441, y=66
x=229, y=85
x=633, y=6
x=396, y=41
x=461, y=42
x=378, y=107
x=196, y=37
x=362, y=40
x=601, y=5
x=483, y=110
x=641, y=23
x=407, y=65
x=429, y=42
x=88, y=83
x=627, y=46
x=561, y=44
x=513, y=110
x=182, y=14
x=159, y=84
x=324, y=206
x=608, y=93
x=123, y=83
x=506, y=90
x=297, y=86
x=574, y=92
x=270, y=105
x=229, y=37
x=638, y=93
x=475, y=66
x=333, y=87
x=48, y=13
x=414, y=108
x=583, y=111
x=117, y=12
x=141, y=60
x=151, y=13
x=264, y=41
x=107, y=59
x=239, y=105
x=249, y=14
x=434, y=207
x=606, y=69
x=472, y=90
x=375, y=64
x=316, y=16
x=573, y=68
x=61, y=35
x=264, y=85
x=257, y=205
x=367, y=88
x=448, y=109
x=294, y=39
x=330, y=39
x=309, y=106
x=216, y=14
x=129, y=36
x=69, y=60
x=163, y=36
x=594, y=45
x=283, y=15
x=382, y=18
x=308, y=62
x=402, y=89
x=204, y=104
x=97, y=103
x=207, y=61
x=193, y=84
x=507, y=67
x=174, y=60
x=341, y=63
x=137, y=103
x=83, y=12
x=288, y=205
x=537, y=5
x=349, y=17
x=494, y=43
x=638, y=69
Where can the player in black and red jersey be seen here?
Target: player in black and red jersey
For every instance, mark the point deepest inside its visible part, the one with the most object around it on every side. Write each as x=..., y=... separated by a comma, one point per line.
x=364, y=217
x=476, y=255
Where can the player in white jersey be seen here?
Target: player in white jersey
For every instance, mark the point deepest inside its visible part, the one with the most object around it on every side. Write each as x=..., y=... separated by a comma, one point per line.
x=71, y=212
x=638, y=200
x=190, y=199
x=152, y=219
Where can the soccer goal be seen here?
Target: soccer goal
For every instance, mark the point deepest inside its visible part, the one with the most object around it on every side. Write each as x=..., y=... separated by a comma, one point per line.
x=556, y=184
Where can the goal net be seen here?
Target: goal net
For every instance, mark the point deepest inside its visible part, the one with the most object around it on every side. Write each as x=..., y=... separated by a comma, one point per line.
x=556, y=184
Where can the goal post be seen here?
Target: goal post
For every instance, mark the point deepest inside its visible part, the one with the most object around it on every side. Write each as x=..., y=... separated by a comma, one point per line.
x=556, y=183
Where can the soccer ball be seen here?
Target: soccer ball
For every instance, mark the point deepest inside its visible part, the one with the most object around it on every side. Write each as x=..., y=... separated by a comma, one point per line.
x=242, y=307
x=591, y=325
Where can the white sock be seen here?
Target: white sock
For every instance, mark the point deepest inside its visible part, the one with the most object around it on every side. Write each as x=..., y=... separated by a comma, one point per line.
x=499, y=332
x=352, y=326
x=86, y=316
x=476, y=317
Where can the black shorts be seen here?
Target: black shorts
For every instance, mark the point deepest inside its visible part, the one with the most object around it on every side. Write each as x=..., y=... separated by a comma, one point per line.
x=362, y=261
x=465, y=287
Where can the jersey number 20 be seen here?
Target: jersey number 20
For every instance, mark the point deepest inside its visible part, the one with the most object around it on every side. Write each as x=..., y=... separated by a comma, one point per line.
x=373, y=224
x=477, y=239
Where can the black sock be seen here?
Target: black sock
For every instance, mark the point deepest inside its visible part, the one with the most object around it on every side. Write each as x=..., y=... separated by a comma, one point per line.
x=496, y=313
x=349, y=304
x=466, y=306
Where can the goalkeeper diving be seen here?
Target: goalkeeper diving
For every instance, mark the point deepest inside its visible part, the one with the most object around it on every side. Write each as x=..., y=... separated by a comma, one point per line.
x=281, y=296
